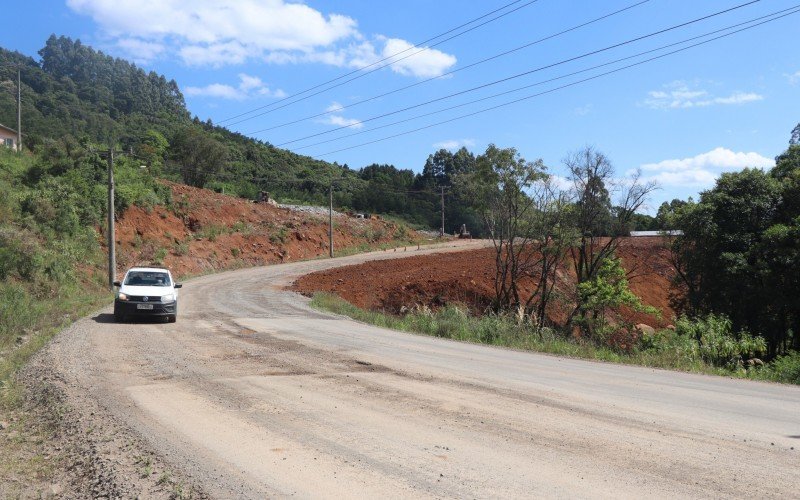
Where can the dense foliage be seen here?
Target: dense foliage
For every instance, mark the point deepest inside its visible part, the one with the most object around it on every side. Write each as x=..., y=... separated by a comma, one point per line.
x=740, y=252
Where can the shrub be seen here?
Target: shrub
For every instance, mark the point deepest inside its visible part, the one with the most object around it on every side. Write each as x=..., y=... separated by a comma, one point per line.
x=279, y=236
x=211, y=232
x=180, y=248
x=786, y=368
x=20, y=254
x=402, y=232
x=160, y=255
x=714, y=341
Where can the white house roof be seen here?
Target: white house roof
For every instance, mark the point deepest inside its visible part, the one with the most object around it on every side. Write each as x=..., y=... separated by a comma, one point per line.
x=8, y=128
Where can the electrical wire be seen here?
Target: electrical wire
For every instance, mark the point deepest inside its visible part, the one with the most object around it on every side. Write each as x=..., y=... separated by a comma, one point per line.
x=450, y=73
x=542, y=82
x=509, y=103
x=526, y=73
x=381, y=61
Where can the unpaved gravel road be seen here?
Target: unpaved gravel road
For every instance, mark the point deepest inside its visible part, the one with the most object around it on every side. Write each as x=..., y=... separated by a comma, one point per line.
x=252, y=394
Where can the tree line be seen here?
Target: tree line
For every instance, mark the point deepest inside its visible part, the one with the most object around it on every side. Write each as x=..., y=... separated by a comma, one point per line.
x=740, y=251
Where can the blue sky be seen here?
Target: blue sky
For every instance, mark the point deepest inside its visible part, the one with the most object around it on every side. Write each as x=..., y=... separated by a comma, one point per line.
x=682, y=119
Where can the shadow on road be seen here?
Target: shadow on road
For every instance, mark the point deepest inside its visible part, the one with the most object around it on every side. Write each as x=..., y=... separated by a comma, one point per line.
x=108, y=318
x=104, y=318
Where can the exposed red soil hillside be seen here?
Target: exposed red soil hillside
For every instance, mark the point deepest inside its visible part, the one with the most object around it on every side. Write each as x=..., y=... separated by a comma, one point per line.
x=203, y=230
x=467, y=278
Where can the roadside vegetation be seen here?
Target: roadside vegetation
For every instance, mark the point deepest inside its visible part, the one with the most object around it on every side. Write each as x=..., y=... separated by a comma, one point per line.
x=705, y=345
x=736, y=260
x=49, y=256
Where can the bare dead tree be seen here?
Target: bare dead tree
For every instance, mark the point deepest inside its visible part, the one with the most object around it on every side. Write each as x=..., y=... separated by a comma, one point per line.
x=599, y=223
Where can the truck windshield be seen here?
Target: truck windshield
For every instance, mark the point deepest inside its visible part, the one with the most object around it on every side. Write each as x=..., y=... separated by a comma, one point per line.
x=147, y=278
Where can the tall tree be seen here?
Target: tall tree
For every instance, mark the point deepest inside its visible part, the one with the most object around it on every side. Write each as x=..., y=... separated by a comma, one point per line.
x=599, y=227
x=198, y=155
x=521, y=210
x=720, y=256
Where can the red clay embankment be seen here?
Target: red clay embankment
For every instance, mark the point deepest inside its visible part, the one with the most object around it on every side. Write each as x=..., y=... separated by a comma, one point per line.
x=468, y=278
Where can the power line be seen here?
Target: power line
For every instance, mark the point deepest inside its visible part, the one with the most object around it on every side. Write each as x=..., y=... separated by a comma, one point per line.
x=542, y=82
x=525, y=73
x=381, y=61
x=557, y=88
x=450, y=73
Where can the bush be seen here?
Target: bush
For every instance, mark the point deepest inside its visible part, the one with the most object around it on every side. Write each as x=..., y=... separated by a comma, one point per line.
x=714, y=341
x=180, y=248
x=160, y=255
x=279, y=236
x=786, y=368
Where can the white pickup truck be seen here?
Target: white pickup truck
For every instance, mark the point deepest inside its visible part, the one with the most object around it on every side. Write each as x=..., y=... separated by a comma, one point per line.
x=146, y=291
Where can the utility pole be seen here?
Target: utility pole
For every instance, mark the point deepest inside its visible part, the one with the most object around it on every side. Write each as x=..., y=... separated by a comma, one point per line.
x=442, y=232
x=19, y=111
x=112, y=257
x=330, y=222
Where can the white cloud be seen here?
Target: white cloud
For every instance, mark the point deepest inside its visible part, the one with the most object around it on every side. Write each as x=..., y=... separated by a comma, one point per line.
x=140, y=51
x=257, y=25
x=702, y=170
x=583, y=110
x=454, y=144
x=794, y=78
x=423, y=63
x=249, y=86
x=216, y=55
x=341, y=121
x=679, y=95
x=334, y=106
x=224, y=32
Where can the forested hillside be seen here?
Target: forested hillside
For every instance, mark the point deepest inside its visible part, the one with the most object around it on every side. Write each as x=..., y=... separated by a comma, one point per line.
x=78, y=99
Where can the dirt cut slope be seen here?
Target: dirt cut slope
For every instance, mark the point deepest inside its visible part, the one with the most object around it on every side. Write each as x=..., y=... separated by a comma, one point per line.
x=468, y=278
x=202, y=230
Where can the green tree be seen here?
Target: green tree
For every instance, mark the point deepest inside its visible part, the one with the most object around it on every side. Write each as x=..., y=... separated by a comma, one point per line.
x=198, y=155
x=523, y=214
x=604, y=294
x=598, y=226
x=725, y=260
x=665, y=217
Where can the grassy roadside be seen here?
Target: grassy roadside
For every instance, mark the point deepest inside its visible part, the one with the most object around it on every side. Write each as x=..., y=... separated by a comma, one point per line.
x=453, y=323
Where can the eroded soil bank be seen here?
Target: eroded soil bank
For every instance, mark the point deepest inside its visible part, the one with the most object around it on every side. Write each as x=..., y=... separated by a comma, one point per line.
x=468, y=278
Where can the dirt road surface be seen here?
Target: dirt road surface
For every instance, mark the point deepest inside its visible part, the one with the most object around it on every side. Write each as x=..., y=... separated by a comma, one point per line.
x=252, y=394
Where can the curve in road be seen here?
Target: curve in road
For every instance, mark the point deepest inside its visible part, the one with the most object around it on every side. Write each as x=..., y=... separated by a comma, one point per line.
x=252, y=393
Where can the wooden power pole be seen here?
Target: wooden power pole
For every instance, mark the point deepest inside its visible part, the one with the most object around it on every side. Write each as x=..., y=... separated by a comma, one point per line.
x=442, y=231
x=112, y=257
x=19, y=111
x=330, y=223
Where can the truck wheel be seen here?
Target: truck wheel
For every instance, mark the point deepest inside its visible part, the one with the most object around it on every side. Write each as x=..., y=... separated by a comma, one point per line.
x=118, y=316
x=172, y=319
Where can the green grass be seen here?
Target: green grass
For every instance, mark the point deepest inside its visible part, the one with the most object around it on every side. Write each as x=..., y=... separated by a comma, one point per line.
x=35, y=323
x=452, y=322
